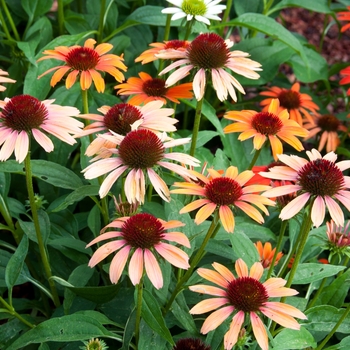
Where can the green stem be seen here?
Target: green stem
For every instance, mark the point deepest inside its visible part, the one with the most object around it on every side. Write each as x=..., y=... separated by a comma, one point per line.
x=101, y=21
x=4, y=27
x=138, y=310
x=334, y=329
x=13, y=312
x=255, y=158
x=60, y=17
x=9, y=17
x=165, y=38
x=8, y=219
x=42, y=248
x=225, y=16
x=188, y=29
x=197, y=121
x=278, y=248
x=215, y=224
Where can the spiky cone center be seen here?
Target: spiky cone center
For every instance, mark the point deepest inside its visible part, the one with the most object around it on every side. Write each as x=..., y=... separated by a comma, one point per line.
x=190, y=344
x=24, y=113
x=154, y=87
x=328, y=122
x=142, y=231
x=141, y=149
x=176, y=44
x=223, y=191
x=247, y=294
x=82, y=58
x=194, y=7
x=321, y=177
x=208, y=51
x=120, y=118
x=289, y=99
x=267, y=123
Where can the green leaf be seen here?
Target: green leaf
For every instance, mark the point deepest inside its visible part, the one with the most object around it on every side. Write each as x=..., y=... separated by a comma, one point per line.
x=182, y=313
x=315, y=6
x=49, y=172
x=28, y=48
x=16, y=262
x=129, y=330
x=98, y=295
x=149, y=339
x=343, y=345
x=152, y=315
x=290, y=339
x=204, y=136
x=29, y=228
x=64, y=329
x=151, y=15
x=36, y=8
x=311, y=272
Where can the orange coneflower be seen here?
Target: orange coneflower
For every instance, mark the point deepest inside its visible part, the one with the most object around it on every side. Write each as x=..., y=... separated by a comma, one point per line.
x=141, y=235
x=344, y=16
x=224, y=192
x=274, y=124
x=209, y=53
x=241, y=297
x=298, y=104
x=266, y=254
x=24, y=116
x=319, y=181
x=4, y=79
x=147, y=89
x=326, y=127
x=346, y=78
x=85, y=61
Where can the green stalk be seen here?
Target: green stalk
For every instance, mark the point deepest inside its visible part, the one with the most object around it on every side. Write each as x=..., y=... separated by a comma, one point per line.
x=8, y=219
x=215, y=224
x=101, y=21
x=60, y=17
x=255, y=158
x=42, y=248
x=226, y=16
x=165, y=38
x=9, y=17
x=138, y=310
x=188, y=29
x=4, y=27
x=197, y=121
x=13, y=312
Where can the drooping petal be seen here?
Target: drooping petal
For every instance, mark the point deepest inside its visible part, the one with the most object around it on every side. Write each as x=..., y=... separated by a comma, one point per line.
x=259, y=331
x=231, y=336
x=208, y=305
x=118, y=264
x=136, y=266
x=153, y=270
x=215, y=319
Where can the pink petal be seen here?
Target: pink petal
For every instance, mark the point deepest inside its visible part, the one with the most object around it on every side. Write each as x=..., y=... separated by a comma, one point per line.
x=177, y=237
x=153, y=270
x=118, y=263
x=215, y=319
x=286, y=308
x=22, y=146
x=108, y=235
x=231, y=336
x=106, y=249
x=318, y=211
x=259, y=331
x=335, y=211
x=136, y=266
x=280, y=318
x=43, y=140
x=8, y=146
x=174, y=255
x=256, y=271
x=293, y=207
x=210, y=290
x=109, y=181
x=224, y=272
x=208, y=305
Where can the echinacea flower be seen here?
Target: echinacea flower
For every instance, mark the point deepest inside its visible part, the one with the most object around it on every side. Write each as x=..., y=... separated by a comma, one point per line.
x=241, y=297
x=85, y=61
x=171, y=45
x=319, y=182
x=273, y=124
x=210, y=53
x=346, y=78
x=140, y=151
x=190, y=344
x=338, y=240
x=344, y=16
x=266, y=254
x=4, y=79
x=200, y=10
x=142, y=236
x=123, y=118
x=147, y=89
x=224, y=192
x=94, y=344
x=298, y=104
x=325, y=128
x=23, y=116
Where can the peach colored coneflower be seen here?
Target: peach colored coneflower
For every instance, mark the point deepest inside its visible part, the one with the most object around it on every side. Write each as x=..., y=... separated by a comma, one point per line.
x=325, y=128
x=148, y=89
x=190, y=344
x=319, y=181
x=4, y=79
x=266, y=254
x=140, y=151
x=245, y=295
x=171, y=45
x=224, y=192
x=273, y=124
x=24, y=115
x=210, y=53
x=85, y=61
x=298, y=104
x=142, y=236
x=200, y=10
x=344, y=16
x=346, y=78
x=122, y=118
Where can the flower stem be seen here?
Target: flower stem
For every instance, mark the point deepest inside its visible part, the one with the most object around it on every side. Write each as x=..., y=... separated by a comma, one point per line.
x=42, y=248
x=9, y=17
x=188, y=29
x=138, y=310
x=255, y=158
x=60, y=17
x=101, y=21
x=278, y=248
x=215, y=225
x=197, y=121
x=7, y=217
x=334, y=329
x=225, y=16
x=13, y=312
x=165, y=38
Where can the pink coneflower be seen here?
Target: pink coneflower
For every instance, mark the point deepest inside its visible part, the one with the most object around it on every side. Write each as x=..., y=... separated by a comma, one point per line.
x=319, y=181
x=122, y=118
x=210, y=53
x=141, y=235
x=190, y=344
x=338, y=240
x=24, y=115
x=85, y=61
x=137, y=153
x=224, y=192
x=3, y=79
x=243, y=296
